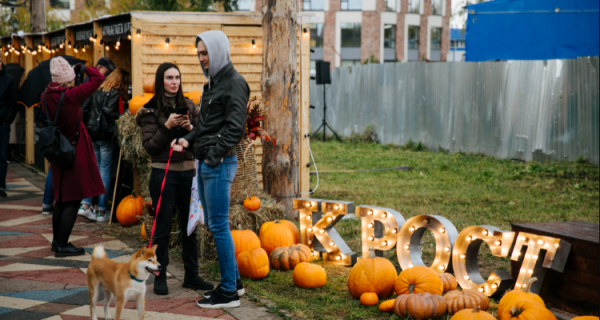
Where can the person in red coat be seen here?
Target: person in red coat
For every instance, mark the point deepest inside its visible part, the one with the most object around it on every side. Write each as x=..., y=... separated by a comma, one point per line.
x=81, y=179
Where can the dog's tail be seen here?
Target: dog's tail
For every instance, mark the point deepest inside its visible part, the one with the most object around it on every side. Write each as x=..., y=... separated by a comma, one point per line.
x=99, y=253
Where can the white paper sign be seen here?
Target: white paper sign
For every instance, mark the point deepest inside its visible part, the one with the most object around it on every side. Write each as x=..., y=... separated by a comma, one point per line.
x=196, y=210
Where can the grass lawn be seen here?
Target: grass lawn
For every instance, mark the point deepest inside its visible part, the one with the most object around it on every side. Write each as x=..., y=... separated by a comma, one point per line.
x=467, y=189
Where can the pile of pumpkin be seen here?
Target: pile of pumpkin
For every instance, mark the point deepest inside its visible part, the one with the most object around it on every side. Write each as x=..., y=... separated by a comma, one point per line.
x=420, y=294
x=277, y=246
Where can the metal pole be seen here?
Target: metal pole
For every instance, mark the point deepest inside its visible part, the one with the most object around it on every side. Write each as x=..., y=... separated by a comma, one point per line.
x=324, y=113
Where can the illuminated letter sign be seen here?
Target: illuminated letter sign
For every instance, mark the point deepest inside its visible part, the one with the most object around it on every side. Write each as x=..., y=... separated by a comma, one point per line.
x=409, y=242
x=542, y=253
x=464, y=259
x=318, y=232
x=380, y=227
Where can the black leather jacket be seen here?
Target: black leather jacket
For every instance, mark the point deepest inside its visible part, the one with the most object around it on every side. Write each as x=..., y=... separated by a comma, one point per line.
x=8, y=98
x=101, y=102
x=222, y=122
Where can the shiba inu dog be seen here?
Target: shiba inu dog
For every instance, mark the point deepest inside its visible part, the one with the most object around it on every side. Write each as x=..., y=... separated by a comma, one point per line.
x=126, y=281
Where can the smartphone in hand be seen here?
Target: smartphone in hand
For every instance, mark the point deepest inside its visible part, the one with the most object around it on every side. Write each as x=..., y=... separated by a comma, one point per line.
x=182, y=111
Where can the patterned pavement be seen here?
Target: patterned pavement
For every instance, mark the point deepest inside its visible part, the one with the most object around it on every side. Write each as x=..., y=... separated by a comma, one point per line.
x=34, y=285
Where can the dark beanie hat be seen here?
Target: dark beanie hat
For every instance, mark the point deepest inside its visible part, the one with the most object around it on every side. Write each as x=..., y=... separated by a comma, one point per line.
x=105, y=62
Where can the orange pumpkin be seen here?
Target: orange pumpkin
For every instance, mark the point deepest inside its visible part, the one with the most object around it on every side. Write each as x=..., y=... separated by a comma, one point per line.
x=586, y=318
x=253, y=264
x=286, y=259
x=419, y=306
x=149, y=85
x=252, y=203
x=369, y=299
x=195, y=96
x=526, y=310
x=373, y=274
x=290, y=225
x=138, y=102
x=472, y=314
x=387, y=306
x=422, y=278
x=519, y=294
x=449, y=282
x=244, y=240
x=308, y=275
x=468, y=299
x=274, y=235
x=130, y=210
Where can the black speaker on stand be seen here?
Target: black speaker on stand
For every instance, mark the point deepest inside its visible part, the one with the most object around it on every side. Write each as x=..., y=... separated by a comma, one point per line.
x=324, y=77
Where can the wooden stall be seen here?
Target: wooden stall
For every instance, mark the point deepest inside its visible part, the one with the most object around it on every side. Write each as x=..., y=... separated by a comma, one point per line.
x=139, y=42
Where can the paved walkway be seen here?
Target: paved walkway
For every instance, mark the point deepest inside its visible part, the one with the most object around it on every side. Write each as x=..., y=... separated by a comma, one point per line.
x=34, y=285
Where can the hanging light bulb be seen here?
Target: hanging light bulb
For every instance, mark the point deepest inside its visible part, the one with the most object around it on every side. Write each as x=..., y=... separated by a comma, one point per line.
x=61, y=45
x=70, y=45
x=168, y=41
x=118, y=43
x=139, y=33
x=76, y=49
x=107, y=48
x=253, y=43
x=129, y=35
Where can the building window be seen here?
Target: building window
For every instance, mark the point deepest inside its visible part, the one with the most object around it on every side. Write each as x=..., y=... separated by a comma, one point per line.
x=389, y=36
x=60, y=4
x=436, y=6
x=313, y=5
x=351, y=34
x=413, y=37
x=244, y=5
x=316, y=35
x=390, y=5
x=414, y=6
x=352, y=5
x=436, y=39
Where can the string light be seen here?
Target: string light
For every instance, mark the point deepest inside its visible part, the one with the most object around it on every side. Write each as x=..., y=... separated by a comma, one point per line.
x=129, y=35
x=70, y=46
x=139, y=33
x=118, y=44
x=168, y=42
x=253, y=43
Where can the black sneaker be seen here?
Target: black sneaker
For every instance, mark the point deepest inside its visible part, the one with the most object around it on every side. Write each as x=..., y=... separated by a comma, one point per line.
x=3, y=194
x=54, y=245
x=220, y=299
x=197, y=283
x=68, y=251
x=240, y=290
x=160, y=285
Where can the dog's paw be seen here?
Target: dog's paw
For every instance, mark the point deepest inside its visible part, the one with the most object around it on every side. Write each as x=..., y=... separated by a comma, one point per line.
x=108, y=317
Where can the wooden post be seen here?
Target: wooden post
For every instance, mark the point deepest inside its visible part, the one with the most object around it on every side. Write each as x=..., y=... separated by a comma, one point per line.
x=98, y=48
x=279, y=86
x=29, y=115
x=304, y=113
x=70, y=36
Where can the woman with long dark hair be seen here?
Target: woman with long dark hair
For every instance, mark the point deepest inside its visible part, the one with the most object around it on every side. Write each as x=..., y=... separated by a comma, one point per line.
x=100, y=113
x=160, y=125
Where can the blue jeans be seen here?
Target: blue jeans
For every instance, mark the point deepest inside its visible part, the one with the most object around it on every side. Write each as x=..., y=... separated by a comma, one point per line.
x=4, y=138
x=214, y=187
x=48, y=191
x=104, y=157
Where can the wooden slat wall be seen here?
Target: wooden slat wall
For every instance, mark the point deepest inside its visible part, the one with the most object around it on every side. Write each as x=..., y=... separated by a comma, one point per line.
x=150, y=50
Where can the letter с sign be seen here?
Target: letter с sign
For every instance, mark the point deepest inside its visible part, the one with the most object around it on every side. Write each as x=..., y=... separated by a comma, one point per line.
x=385, y=229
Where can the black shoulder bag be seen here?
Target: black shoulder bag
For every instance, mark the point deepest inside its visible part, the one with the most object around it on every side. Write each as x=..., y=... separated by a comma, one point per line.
x=102, y=128
x=55, y=147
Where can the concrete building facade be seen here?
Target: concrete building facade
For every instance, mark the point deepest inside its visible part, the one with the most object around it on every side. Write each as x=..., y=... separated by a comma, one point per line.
x=346, y=32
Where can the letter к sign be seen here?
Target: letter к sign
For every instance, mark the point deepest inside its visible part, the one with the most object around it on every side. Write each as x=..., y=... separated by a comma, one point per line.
x=317, y=229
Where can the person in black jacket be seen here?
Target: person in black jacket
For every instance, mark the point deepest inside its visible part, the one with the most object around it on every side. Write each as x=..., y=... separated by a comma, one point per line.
x=221, y=126
x=8, y=112
x=100, y=113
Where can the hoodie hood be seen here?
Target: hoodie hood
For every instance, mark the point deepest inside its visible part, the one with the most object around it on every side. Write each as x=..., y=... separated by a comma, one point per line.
x=219, y=52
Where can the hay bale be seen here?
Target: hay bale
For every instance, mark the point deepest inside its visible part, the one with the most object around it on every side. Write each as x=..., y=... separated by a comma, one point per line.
x=240, y=218
x=132, y=149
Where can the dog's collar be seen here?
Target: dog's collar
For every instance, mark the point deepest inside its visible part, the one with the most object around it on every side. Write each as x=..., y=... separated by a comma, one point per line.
x=134, y=278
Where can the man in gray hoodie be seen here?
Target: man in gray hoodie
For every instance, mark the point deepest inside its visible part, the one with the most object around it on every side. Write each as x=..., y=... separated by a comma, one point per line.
x=220, y=127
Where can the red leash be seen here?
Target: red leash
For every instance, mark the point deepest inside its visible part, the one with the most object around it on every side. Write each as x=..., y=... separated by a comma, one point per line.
x=159, y=198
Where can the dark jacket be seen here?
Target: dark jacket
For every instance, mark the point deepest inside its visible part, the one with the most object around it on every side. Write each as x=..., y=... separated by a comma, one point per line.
x=82, y=179
x=222, y=123
x=102, y=103
x=156, y=137
x=8, y=97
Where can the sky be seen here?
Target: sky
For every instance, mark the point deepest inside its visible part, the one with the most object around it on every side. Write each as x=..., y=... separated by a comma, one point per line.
x=459, y=15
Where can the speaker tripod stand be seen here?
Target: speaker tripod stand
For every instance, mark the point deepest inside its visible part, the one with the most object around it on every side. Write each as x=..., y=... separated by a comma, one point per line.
x=325, y=125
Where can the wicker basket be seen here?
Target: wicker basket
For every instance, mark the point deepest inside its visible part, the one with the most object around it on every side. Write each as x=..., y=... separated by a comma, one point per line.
x=246, y=180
